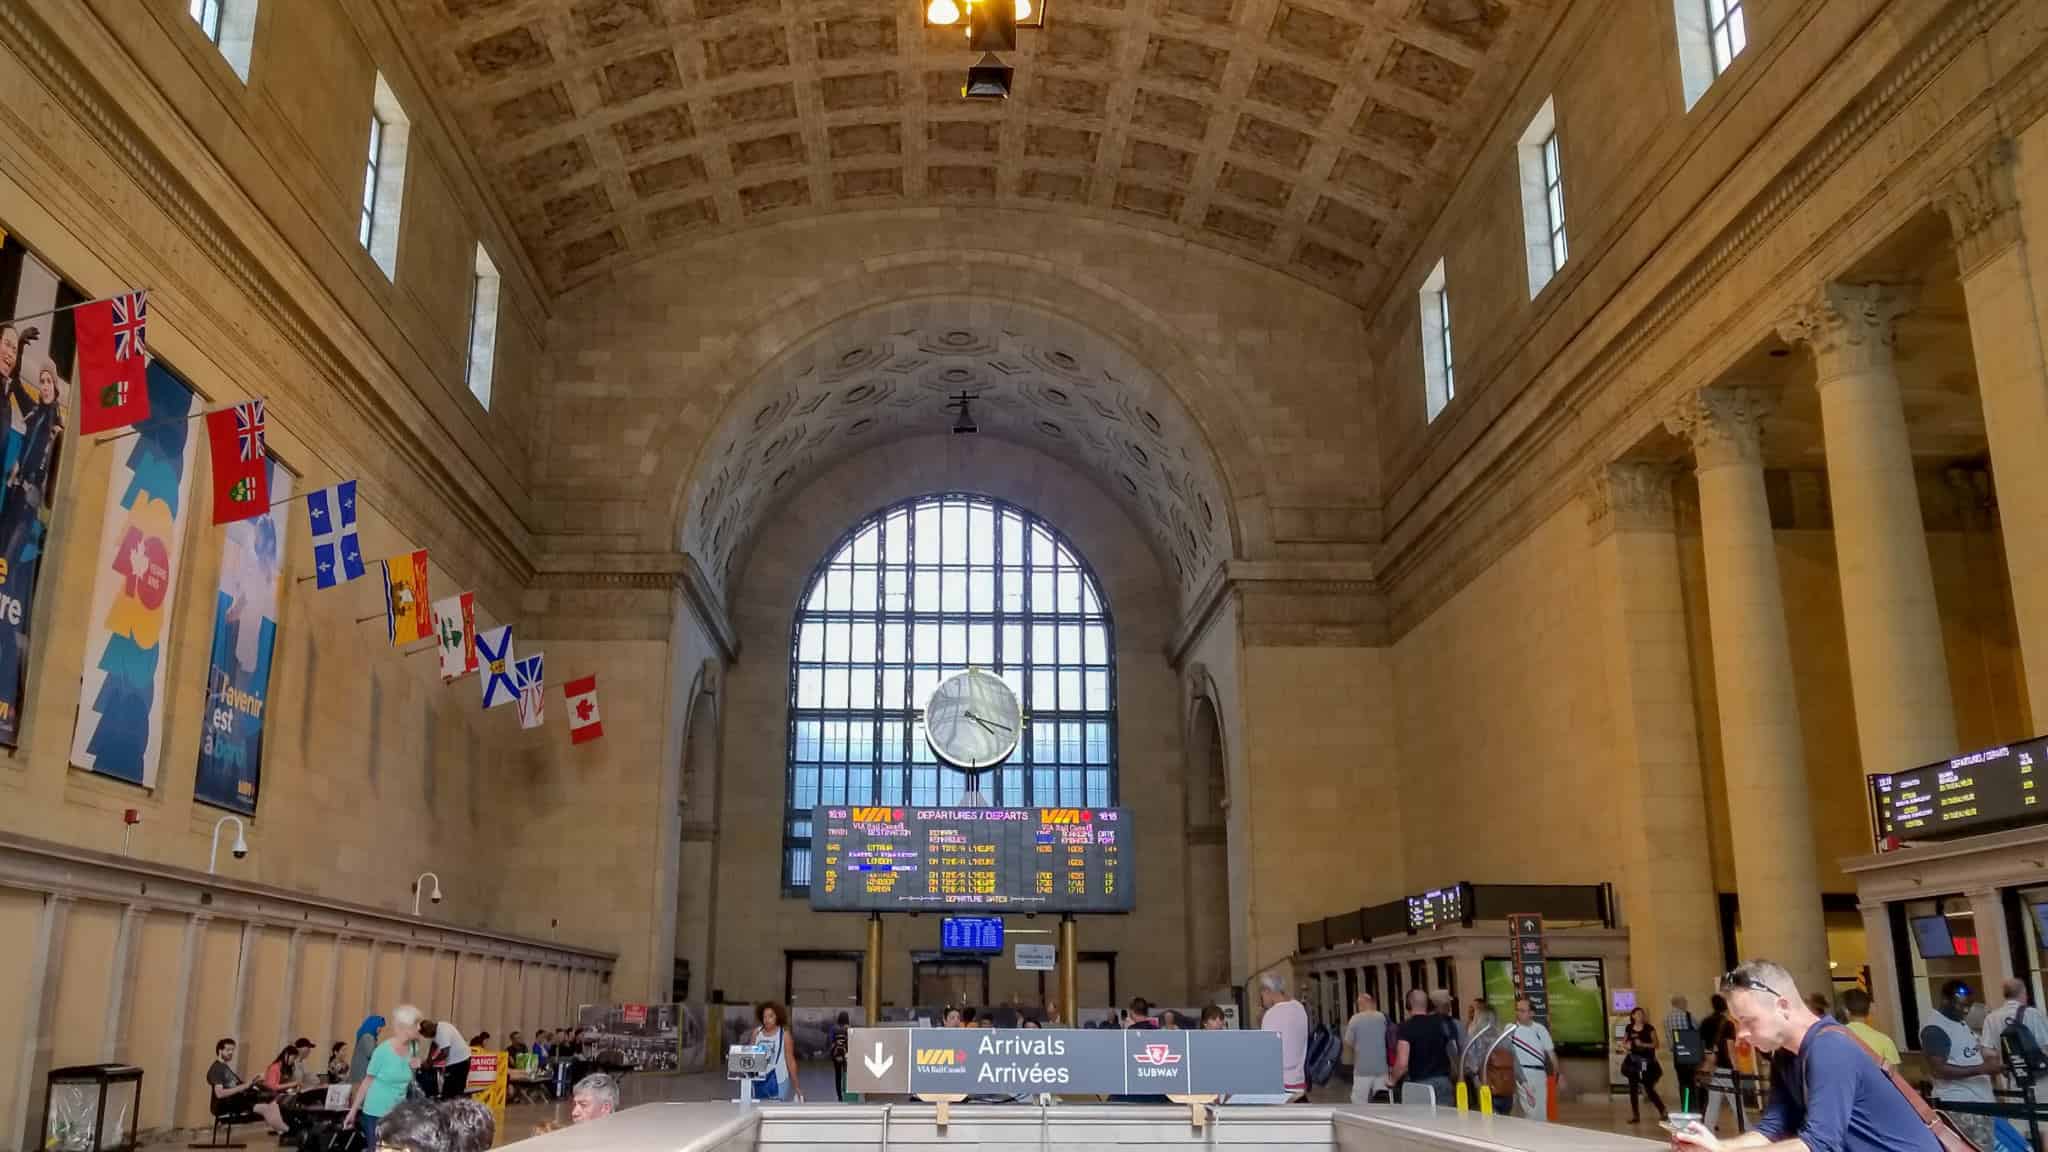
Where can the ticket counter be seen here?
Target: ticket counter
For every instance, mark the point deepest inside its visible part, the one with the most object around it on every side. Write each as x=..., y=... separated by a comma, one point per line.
x=1970, y=908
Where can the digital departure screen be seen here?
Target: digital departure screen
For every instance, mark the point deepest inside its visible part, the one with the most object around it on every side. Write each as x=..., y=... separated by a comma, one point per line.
x=983, y=859
x=1439, y=908
x=981, y=934
x=1969, y=794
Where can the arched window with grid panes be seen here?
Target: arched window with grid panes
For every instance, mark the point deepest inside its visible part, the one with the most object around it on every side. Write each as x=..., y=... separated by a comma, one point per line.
x=914, y=594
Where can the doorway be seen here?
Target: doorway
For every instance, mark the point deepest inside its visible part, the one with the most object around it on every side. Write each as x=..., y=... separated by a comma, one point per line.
x=938, y=982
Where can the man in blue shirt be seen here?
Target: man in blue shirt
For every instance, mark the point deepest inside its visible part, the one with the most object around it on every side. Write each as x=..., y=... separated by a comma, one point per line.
x=1827, y=1093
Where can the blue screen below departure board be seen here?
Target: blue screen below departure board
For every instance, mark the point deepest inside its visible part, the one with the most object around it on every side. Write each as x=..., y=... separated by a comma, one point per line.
x=971, y=934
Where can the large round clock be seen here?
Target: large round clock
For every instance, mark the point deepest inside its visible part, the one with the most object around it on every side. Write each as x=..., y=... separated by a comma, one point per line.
x=972, y=720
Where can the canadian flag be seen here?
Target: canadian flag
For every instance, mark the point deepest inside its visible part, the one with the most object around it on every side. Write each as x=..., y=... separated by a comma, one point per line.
x=584, y=722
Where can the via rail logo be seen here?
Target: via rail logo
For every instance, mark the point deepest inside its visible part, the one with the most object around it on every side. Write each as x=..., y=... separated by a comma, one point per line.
x=944, y=1061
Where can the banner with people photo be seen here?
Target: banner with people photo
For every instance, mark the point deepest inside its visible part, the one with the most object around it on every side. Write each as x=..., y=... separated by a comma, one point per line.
x=121, y=693
x=32, y=349
x=244, y=637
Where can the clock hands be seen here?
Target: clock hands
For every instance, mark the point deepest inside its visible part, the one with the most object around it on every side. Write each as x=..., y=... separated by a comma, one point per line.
x=991, y=726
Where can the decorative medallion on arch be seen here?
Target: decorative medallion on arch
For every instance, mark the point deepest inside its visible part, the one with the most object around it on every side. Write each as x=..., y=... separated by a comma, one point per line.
x=1037, y=381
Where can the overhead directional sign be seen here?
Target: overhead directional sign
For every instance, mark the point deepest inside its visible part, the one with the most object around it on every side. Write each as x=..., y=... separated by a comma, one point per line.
x=1062, y=1061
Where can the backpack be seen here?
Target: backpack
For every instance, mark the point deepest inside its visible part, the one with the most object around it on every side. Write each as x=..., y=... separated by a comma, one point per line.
x=1686, y=1046
x=1324, y=1049
x=839, y=1045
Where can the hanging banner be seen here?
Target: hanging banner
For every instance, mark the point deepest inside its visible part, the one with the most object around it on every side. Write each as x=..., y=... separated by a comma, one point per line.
x=36, y=391
x=121, y=694
x=244, y=637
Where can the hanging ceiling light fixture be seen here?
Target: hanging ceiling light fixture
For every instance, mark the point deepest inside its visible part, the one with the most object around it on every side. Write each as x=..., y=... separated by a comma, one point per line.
x=947, y=13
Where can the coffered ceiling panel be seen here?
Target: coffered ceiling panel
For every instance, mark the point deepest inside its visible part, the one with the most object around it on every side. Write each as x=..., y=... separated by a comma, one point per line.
x=1313, y=136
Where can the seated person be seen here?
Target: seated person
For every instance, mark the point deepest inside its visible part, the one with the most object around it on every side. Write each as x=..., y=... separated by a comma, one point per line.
x=516, y=1047
x=234, y=1099
x=283, y=1072
x=337, y=1063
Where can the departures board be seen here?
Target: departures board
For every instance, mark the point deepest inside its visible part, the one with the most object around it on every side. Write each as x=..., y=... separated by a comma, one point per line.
x=984, y=859
x=1994, y=788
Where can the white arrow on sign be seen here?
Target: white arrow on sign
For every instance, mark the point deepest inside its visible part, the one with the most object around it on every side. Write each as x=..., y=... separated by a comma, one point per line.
x=878, y=1064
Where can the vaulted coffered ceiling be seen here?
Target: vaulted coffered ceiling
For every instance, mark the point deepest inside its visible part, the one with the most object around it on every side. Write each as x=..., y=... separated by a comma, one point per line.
x=1314, y=136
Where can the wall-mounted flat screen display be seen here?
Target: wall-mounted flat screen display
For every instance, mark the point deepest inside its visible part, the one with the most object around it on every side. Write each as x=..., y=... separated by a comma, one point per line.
x=1933, y=937
x=1997, y=787
x=984, y=859
x=1578, y=1001
x=980, y=934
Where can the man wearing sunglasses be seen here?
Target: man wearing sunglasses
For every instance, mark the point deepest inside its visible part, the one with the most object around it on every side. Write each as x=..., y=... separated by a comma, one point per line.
x=1828, y=1094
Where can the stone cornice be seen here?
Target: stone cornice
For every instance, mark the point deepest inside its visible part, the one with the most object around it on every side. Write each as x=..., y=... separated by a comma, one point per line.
x=1350, y=582
x=1453, y=534
x=140, y=160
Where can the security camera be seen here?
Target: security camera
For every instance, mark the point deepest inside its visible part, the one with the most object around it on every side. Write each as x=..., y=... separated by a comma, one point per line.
x=436, y=897
x=241, y=851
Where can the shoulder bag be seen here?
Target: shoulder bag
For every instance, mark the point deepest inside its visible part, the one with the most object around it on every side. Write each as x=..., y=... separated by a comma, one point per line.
x=1686, y=1045
x=1945, y=1131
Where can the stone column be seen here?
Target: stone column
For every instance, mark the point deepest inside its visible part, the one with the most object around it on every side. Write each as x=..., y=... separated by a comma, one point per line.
x=2006, y=317
x=1898, y=669
x=1776, y=879
x=1994, y=943
x=1667, y=886
x=1884, y=975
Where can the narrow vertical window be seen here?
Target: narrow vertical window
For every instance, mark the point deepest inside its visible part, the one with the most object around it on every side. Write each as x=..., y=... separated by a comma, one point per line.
x=1438, y=378
x=384, y=179
x=483, y=327
x=1540, y=162
x=369, y=219
x=1553, y=201
x=231, y=26
x=1727, y=32
x=1711, y=34
x=1443, y=335
x=207, y=13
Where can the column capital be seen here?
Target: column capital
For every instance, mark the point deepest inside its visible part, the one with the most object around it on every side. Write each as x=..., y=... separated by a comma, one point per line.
x=1982, y=201
x=1627, y=496
x=1724, y=425
x=1849, y=326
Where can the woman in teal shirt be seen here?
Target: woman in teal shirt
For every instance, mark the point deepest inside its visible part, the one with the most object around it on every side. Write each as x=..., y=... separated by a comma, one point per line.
x=390, y=1073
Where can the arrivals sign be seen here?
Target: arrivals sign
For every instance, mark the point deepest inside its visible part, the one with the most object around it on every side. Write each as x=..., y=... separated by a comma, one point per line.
x=1062, y=1061
x=1525, y=948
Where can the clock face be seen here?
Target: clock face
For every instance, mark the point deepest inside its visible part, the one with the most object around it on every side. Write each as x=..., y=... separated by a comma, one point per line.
x=973, y=721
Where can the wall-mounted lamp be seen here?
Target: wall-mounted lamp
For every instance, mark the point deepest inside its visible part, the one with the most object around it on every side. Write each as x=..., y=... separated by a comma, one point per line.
x=419, y=886
x=240, y=848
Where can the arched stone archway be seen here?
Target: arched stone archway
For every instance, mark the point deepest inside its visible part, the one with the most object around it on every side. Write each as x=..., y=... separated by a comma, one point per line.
x=1207, y=873
x=1037, y=379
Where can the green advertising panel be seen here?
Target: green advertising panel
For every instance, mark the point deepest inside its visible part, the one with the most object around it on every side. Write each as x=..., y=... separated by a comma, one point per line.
x=1578, y=1002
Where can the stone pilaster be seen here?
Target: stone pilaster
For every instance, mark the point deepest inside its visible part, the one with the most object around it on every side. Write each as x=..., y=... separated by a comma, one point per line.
x=1982, y=200
x=1667, y=883
x=1776, y=877
x=1898, y=667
